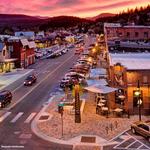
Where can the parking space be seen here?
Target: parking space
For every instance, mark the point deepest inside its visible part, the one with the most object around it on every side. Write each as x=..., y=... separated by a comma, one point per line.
x=127, y=141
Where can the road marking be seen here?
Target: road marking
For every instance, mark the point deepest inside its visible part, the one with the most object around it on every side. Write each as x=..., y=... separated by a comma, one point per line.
x=131, y=144
x=16, y=117
x=30, y=117
x=39, y=83
x=4, y=116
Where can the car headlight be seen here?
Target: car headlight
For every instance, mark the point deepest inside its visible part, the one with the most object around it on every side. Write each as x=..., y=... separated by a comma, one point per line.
x=29, y=82
x=24, y=82
x=0, y=104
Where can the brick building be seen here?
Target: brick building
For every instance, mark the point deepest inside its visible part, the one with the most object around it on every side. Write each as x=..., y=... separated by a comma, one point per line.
x=124, y=73
x=125, y=33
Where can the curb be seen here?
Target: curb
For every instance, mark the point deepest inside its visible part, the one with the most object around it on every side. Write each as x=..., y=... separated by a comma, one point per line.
x=43, y=136
x=37, y=132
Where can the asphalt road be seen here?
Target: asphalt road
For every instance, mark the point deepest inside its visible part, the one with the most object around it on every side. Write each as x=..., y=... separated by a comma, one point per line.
x=15, y=129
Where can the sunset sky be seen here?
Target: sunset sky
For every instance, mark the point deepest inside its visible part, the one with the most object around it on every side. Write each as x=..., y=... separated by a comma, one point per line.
x=80, y=8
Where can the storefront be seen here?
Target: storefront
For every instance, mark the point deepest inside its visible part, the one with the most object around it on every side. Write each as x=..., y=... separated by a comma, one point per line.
x=7, y=65
x=131, y=75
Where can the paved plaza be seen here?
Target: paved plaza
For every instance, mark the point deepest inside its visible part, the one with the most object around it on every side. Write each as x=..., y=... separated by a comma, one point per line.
x=92, y=124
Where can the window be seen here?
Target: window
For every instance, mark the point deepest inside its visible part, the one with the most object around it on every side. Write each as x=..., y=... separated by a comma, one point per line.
x=145, y=34
x=10, y=48
x=145, y=79
x=136, y=98
x=128, y=34
x=136, y=34
x=143, y=126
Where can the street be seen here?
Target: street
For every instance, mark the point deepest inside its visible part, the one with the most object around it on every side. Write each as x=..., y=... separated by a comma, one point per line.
x=15, y=123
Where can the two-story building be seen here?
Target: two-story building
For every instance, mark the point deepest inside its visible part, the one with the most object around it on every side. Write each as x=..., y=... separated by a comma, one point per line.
x=23, y=50
x=6, y=62
x=116, y=31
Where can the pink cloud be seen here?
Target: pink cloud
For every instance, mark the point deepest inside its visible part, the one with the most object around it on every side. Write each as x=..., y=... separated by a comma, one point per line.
x=82, y=8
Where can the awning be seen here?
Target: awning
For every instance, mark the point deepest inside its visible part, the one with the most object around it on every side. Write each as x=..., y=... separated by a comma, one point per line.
x=96, y=82
x=94, y=73
x=100, y=89
x=98, y=71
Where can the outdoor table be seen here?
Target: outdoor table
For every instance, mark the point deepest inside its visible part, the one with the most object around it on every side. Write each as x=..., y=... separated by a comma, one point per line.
x=105, y=108
x=100, y=104
x=102, y=100
x=118, y=110
x=121, y=96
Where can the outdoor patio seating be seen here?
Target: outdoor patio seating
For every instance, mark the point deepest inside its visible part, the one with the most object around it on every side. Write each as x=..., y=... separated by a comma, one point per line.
x=118, y=112
x=104, y=110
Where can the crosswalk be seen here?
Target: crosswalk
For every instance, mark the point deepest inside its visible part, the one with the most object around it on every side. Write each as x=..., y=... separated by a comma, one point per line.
x=128, y=142
x=13, y=118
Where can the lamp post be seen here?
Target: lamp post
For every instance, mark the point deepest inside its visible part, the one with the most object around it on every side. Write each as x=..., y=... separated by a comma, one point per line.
x=139, y=101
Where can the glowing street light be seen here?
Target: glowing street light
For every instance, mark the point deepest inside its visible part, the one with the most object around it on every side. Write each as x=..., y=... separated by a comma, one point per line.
x=137, y=94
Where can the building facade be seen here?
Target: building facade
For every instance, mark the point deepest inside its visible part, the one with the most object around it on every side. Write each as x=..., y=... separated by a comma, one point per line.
x=129, y=73
x=126, y=33
x=23, y=50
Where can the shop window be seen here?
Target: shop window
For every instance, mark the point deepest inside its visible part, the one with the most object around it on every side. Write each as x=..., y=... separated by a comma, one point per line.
x=136, y=34
x=145, y=79
x=137, y=97
x=120, y=96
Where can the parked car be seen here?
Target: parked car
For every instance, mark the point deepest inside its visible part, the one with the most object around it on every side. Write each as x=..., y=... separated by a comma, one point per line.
x=51, y=56
x=30, y=80
x=142, y=128
x=5, y=98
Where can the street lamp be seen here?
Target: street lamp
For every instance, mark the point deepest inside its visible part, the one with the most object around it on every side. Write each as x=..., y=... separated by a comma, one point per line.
x=137, y=94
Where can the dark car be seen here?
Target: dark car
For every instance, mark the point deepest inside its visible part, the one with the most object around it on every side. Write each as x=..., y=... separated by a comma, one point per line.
x=53, y=55
x=5, y=98
x=30, y=80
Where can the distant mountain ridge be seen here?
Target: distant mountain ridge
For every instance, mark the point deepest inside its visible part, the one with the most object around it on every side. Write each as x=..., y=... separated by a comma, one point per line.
x=14, y=20
x=102, y=15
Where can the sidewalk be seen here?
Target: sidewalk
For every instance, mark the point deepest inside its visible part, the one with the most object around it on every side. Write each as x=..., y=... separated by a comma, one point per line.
x=11, y=80
x=92, y=125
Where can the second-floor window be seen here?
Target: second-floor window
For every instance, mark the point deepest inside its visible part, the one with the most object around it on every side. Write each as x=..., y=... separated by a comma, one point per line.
x=145, y=34
x=10, y=48
x=128, y=34
x=145, y=79
x=136, y=34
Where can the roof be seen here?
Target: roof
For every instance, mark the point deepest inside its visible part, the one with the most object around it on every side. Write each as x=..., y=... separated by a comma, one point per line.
x=27, y=33
x=32, y=44
x=24, y=42
x=132, y=61
x=136, y=26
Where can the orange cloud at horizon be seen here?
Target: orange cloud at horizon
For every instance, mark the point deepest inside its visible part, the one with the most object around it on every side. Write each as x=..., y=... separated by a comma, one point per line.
x=80, y=8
